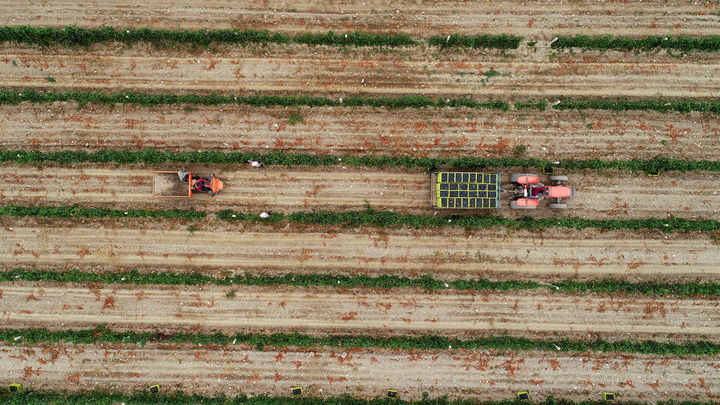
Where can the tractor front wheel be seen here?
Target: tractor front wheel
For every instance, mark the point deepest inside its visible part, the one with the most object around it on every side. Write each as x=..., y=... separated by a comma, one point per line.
x=558, y=206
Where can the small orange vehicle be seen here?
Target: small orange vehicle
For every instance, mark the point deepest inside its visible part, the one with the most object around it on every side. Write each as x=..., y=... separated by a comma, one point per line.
x=182, y=184
x=530, y=191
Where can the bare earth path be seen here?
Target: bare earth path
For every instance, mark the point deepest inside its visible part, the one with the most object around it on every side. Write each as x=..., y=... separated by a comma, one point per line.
x=428, y=132
x=332, y=74
x=364, y=373
x=602, y=196
x=452, y=253
x=529, y=18
x=359, y=311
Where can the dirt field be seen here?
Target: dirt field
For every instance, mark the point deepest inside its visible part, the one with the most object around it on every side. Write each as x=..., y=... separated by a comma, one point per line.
x=219, y=247
x=360, y=311
x=444, y=254
x=599, y=195
x=366, y=373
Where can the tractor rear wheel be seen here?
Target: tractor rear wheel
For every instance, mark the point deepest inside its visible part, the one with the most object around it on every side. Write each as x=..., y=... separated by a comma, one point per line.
x=558, y=206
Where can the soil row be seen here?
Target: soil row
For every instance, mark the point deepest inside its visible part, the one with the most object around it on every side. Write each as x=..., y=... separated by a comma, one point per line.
x=599, y=195
x=365, y=373
x=282, y=73
x=532, y=19
x=217, y=247
x=428, y=132
x=358, y=311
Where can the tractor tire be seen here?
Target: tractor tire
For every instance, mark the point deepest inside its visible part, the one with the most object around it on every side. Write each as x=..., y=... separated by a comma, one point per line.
x=558, y=179
x=558, y=206
x=514, y=204
x=516, y=176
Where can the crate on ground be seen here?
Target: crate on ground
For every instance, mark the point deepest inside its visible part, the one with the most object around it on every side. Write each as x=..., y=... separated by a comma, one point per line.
x=297, y=391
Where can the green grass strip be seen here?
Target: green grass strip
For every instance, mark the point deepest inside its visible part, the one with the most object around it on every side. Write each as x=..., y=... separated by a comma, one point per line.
x=75, y=36
x=154, y=157
x=82, y=98
x=99, y=397
x=608, y=42
x=81, y=212
x=503, y=41
x=276, y=341
x=427, y=282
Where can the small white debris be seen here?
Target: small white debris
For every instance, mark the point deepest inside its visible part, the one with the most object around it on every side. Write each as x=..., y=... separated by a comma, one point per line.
x=234, y=340
x=17, y=338
x=446, y=285
x=448, y=39
x=233, y=215
x=553, y=41
x=556, y=346
x=362, y=81
x=449, y=220
x=264, y=215
x=123, y=279
x=341, y=99
x=125, y=212
x=343, y=355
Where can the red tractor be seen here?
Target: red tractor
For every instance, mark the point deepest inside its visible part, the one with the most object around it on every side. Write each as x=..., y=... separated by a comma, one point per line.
x=529, y=191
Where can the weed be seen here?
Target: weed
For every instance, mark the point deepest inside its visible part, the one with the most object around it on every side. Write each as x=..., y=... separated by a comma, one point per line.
x=519, y=150
x=50, y=79
x=295, y=118
x=491, y=73
x=231, y=294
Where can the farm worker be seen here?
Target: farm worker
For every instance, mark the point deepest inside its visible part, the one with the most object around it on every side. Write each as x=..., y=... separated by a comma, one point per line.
x=255, y=163
x=264, y=215
x=183, y=175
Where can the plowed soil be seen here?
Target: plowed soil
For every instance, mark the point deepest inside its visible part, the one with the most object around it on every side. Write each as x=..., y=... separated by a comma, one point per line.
x=444, y=254
x=242, y=71
x=428, y=132
x=529, y=18
x=359, y=311
x=599, y=195
x=366, y=373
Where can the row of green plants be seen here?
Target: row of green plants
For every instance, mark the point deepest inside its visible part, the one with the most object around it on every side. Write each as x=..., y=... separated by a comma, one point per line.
x=82, y=98
x=75, y=36
x=684, y=106
x=617, y=43
x=84, y=212
x=276, y=341
x=408, y=101
x=502, y=41
x=100, y=397
x=427, y=282
x=379, y=218
x=154, y=157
